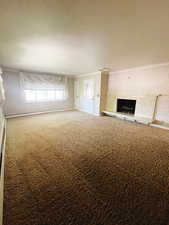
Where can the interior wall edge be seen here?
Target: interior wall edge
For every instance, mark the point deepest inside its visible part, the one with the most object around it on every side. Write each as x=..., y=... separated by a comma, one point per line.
x=2, y=146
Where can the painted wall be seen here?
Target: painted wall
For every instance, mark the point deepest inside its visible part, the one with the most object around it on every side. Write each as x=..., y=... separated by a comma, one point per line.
x=162, y=112
x=15, y=102
x=103, y=90
x=142, y=84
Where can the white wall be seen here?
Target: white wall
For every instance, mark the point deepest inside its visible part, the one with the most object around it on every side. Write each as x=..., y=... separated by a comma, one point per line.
x=142, y=84
x=15, y=102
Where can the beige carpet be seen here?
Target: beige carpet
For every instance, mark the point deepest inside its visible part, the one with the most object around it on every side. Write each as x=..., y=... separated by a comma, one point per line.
x=72, y=168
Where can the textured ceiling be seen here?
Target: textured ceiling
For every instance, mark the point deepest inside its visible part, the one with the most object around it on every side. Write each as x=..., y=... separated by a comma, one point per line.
x=81, y=36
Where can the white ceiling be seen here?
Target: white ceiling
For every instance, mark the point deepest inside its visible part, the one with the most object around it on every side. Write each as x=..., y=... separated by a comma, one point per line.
x=82, y=36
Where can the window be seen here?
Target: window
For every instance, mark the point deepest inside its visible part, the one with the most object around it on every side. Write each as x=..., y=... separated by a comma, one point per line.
x=44, y=88
x=44, y=95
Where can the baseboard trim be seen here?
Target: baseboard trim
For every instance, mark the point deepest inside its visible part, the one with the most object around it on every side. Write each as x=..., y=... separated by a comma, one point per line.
x=159, y=126
x=36, y=113
x=94, y=114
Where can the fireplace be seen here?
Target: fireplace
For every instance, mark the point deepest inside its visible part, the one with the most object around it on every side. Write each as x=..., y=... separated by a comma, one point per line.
x=126, y=106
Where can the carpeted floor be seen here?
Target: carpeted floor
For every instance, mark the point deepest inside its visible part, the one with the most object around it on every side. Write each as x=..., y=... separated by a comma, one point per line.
x=72, y=168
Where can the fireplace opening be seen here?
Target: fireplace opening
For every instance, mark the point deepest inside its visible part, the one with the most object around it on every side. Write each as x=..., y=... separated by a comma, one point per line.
x=126, y=106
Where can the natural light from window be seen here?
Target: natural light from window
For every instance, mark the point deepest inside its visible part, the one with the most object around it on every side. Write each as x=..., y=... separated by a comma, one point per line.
x=44, y=95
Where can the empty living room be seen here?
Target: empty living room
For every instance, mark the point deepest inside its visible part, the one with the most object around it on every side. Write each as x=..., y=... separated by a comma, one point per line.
x=84, y=112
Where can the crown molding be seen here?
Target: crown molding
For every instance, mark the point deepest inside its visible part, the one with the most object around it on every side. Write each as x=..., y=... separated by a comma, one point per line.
x=147, y=67
x=88, y=74
x=105, y=70
x=151, y=66
x=13, y=70
x=7, y=69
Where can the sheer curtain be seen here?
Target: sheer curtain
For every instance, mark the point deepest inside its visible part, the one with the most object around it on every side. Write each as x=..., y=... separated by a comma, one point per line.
x=39, y=87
